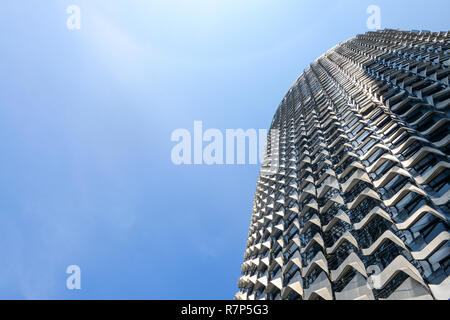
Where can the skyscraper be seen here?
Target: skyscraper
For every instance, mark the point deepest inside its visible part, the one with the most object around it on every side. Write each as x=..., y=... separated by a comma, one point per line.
x=358, y=207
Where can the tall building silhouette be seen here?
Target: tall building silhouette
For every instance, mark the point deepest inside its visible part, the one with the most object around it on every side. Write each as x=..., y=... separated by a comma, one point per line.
x=358, y=207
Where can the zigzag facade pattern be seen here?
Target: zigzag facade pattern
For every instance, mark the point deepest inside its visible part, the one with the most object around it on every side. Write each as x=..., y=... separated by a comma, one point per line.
x=359, y=207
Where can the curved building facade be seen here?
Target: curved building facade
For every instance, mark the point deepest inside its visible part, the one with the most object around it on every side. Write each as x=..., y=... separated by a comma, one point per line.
x=358, y=207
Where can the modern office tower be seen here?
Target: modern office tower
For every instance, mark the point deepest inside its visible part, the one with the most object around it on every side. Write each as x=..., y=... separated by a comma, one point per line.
x=358, y=207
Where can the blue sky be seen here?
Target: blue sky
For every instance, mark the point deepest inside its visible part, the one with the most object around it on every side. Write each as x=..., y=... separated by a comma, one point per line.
x=85, y=123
